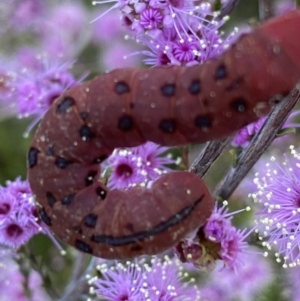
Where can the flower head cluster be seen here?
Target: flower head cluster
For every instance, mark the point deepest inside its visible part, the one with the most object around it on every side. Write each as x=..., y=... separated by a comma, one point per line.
x=32, y=91
x=137, y=165
x=176, y=32
x=18, y=215
x=157, y=280
x=217, y=240
x=154, y=16
x=25, y=12
x=14, y=285
x=278, y=195
x=35, y=90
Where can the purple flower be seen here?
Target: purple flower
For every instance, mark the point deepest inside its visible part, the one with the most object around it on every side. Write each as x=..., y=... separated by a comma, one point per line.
x=216, y=227
x=117, y=56
x=127, y=170
x=137, y=165
x=35, y=285
x=66, y=25
x=213, y=293
x=152, y=159
x=217, y=240
x=11, y=281
x=8, y=206
x=36, y=90
x=233, y=247
x=185, y=51
x=284, y=6
x=245, y=135
x=163, y=282
x=278, y=195
x=18, y=222
x=243, y=193
x=118, y=283
x=14, y=285
x=158, y=280
x=6, y=89
x=18, y=187
x=251, y=278
x=151, y=18
x=17, y=230
x=183, y=47
x=111, y=22
x=69, y=17
x=177, y=32
x=19, y=219
x=27, y=12
x=139, y=16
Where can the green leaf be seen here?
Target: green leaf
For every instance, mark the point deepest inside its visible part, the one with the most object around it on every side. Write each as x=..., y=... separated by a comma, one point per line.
x=217, y=5
x=286, y=131
x=235, y=153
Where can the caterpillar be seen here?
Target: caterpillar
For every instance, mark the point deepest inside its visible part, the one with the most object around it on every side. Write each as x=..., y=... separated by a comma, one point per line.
x=167, y=105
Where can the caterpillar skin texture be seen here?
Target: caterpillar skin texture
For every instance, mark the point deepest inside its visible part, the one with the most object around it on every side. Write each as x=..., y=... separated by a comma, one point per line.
x=169, y=106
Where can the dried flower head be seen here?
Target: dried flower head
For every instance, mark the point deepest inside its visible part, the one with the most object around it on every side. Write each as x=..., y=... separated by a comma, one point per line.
x=217, y=240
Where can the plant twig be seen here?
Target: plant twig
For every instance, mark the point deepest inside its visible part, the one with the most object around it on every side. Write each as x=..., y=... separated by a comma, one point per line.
x=228, y=8
x=260, y=142
x=76, y=284
x=208, y=155
x=265, y=9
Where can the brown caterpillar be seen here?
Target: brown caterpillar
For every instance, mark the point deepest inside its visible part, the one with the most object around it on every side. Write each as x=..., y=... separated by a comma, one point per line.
x=169, y=106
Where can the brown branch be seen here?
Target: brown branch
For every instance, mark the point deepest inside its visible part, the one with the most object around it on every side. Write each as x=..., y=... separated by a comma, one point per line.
x=260, y=142
x=228, y=9
x=265, y=9
x=208, y=155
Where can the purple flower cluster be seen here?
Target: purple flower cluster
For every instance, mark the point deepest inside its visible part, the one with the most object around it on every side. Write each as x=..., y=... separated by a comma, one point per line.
x=35, y=90
x=18, y=215
x=292, y=278
x=217, y=241
x=245, y=135
x=14, y=285
x=247, y=284
x=157, y=280
x=176, y=32
x=36, y=69
x=278, y=209
x=32, y=76
x=137, y=165
x=282, y=7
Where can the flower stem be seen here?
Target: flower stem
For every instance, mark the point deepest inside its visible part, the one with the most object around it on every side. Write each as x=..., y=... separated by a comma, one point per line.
x=77, y=284
x=208, y=156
